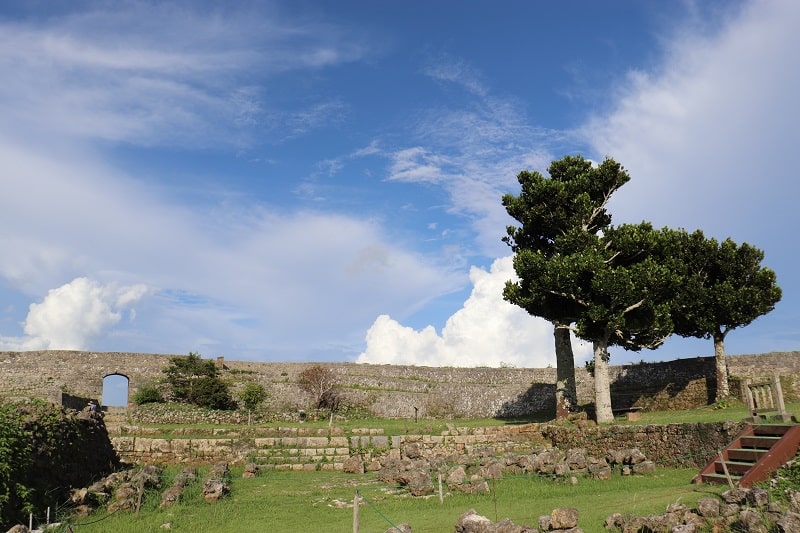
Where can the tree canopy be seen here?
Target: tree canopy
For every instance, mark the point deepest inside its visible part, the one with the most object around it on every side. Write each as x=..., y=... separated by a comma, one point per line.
x=621, y=284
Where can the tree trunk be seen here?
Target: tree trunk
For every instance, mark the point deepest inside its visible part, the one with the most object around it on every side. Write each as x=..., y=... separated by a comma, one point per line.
x=602, y=384
x=723, y=389
x=566, y=393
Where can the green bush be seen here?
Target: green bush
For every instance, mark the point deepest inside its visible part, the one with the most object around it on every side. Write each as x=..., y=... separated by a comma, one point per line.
x=16, y=459
x=212, y=393
x=147, y=394
x=252, y=395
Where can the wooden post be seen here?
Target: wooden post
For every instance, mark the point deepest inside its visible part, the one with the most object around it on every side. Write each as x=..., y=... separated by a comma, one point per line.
x=441, y=494
x=751, y=402
x=355, y=513
x=139, y=498
x=778, y=393
x=725, y=469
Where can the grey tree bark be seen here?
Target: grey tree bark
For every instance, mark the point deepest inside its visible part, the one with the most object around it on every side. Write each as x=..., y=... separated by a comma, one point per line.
x=566, y=391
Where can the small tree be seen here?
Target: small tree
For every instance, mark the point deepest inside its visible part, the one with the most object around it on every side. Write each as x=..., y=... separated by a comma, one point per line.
x=195, y=380
x=320, y=383
x=724, y=287
x=252, y=395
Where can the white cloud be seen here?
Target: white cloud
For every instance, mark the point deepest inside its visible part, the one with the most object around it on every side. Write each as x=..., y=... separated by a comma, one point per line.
x=486, y=331
x=72, y=315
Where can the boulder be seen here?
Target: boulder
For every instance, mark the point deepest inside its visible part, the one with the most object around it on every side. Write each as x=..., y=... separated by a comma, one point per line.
x=564, y=518
x=353, y=465
x=418, y=482
x=789, y=522
x=708, y=507
x=472, y=522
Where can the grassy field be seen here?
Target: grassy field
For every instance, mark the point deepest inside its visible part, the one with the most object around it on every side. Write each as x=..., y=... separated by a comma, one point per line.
x=323, y=501
x=734, y=410
x=289, y=502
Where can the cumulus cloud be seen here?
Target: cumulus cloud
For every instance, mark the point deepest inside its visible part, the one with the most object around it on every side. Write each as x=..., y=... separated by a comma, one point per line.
x=486, y=331
x=71, y=315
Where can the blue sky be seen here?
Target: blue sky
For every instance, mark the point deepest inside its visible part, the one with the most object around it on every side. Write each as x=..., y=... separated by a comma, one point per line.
x=321, y=181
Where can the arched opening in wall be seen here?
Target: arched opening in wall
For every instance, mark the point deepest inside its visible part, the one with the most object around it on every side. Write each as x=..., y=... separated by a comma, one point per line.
x=115, y=390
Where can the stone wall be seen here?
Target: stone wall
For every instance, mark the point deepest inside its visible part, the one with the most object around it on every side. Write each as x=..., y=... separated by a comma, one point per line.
x=689, y=445
x=403, y=391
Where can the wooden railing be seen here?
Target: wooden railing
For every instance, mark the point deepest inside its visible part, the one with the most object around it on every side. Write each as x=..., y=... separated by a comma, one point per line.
x=766, y=396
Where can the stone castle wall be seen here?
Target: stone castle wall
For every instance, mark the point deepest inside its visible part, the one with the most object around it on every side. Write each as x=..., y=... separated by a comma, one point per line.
x=402, y=391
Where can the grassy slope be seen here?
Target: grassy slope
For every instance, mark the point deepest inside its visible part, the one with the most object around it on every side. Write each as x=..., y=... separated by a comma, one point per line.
x=322, y=501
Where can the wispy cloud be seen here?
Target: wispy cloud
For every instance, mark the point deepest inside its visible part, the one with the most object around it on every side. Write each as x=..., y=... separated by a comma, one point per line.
x=158, y=74
x=714, y=126
x=473, y=149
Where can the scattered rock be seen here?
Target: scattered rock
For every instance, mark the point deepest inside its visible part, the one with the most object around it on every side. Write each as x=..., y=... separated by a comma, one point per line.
x=171, y=496
x=564, y=518
x=353, y=465
x=789, y=523
x=708, y=507
x=472, y=522
x=217, y=483
x=250, y=471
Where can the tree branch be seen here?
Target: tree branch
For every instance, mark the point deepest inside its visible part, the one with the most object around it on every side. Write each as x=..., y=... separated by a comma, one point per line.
x=571, y=297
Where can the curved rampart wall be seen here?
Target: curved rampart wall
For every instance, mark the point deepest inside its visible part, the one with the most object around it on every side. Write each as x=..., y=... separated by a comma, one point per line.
x=402, y=391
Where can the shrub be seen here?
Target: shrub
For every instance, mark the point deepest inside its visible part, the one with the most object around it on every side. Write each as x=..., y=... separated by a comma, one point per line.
x=195, y=380
x=15, y=459
x=212, y=393
x=147, y=394
x=320, y=383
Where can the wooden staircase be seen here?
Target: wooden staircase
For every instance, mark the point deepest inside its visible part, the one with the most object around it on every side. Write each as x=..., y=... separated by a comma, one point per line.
x=756, y=452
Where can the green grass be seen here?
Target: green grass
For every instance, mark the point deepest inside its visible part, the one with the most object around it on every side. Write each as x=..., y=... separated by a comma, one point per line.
x=735, y=411
x=322, y=501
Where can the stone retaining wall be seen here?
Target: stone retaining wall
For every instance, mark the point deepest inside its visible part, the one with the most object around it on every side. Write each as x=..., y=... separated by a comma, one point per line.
x=301, y=449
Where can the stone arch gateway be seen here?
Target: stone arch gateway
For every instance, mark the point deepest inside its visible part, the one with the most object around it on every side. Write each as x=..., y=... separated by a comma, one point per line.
x=116, y=390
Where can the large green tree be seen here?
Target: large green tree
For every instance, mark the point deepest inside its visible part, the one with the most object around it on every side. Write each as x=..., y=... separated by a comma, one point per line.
x=724, y=287
x=570, y=201
x=622, y=285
